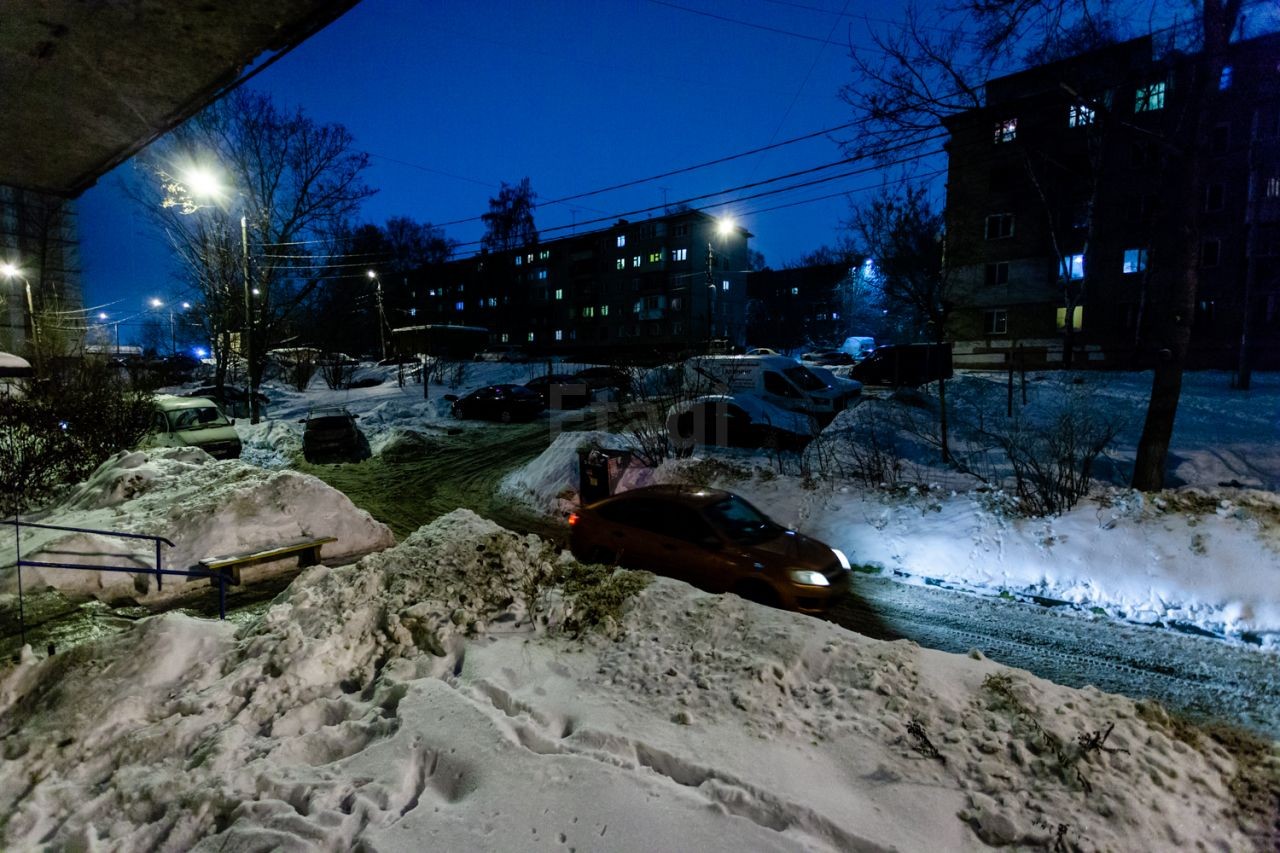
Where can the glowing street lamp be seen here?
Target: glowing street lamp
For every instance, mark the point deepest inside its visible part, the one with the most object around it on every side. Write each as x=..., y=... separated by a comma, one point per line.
x=382, y=317
x=11, y=271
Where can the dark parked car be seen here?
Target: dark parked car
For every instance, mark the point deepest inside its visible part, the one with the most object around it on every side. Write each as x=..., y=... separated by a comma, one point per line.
x=828, y=358
x=232, y=400
x=605, y=378
x=905, y=365
x=331, y=434
x=560, y=391
x=714, y=540
x=504, y=403
x=720, y=421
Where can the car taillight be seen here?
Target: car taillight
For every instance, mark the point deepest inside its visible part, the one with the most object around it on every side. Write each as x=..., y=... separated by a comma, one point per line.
x=573, y=519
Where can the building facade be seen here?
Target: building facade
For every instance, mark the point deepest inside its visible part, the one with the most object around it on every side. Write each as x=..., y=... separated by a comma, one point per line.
x=1056, y=206
x=38, y=236
x=663, y=286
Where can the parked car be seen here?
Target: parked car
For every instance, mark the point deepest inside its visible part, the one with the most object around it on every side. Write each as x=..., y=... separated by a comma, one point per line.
x=776, y=379
x=231, y=399
x=508, y=354
x=827, y=358
x=331, y=434
x=724, y=420
x=612, y=379
x=560, y=391
x=762, y=351
x=714, y=540
x=905, y=365
x=504, y=403
x=192, y=422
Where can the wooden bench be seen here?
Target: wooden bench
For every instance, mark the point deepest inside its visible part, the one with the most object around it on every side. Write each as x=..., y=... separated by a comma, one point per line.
x=307, y=551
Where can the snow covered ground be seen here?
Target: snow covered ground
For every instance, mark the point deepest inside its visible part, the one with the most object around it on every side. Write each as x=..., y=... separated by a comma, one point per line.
x=1203, y=554
x=429, y=697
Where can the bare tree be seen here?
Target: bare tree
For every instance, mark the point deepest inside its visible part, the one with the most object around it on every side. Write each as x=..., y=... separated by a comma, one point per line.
x=509, y=222
x=295, y=183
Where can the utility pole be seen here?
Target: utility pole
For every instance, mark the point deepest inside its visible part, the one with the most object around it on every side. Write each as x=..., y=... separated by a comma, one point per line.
x=711, y=292
x=382, y=315
x=246, y=345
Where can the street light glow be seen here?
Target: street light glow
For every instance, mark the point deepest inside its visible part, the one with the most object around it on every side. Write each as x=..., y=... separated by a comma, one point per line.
x=102, y=315
x=725, y=226
x=371, y=274
x=8, y=270
x=156, y=303
x=186, y=305
x=203, y=183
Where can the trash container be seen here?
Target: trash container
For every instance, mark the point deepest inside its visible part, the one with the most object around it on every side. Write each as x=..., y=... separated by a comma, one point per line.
x=599, y=471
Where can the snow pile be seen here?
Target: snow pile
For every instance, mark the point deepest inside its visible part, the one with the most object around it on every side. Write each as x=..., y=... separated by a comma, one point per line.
x=411, y=702
x=205, y=507
x=550, y=483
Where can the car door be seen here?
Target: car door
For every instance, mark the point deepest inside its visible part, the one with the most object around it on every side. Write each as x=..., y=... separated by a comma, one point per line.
x=628, y=532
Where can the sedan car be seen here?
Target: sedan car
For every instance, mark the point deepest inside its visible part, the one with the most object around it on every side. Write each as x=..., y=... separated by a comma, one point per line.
x=331, y=433
x=714, y=540
x=560, y=391
x=723, y=420
x=828, y=358
x=504, y=403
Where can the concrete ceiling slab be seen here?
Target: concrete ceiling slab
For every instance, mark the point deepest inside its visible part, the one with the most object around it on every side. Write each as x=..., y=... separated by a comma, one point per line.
x=86, y=84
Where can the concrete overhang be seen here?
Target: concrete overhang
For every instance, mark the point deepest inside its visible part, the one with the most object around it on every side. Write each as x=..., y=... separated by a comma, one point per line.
x=86, y=84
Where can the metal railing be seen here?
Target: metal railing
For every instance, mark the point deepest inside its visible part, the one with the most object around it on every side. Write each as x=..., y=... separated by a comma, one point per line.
x=159, y=570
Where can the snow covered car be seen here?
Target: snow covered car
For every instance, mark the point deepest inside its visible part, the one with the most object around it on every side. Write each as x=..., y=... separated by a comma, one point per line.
x=504, y=403
x=827, y=358
x=192, y=422
x=331, y=433
x=738, y=420
x=714, y=540
x=505, y=355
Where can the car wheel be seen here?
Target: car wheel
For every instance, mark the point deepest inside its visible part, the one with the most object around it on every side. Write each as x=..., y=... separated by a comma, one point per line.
x=505, y=416
x=757, y=591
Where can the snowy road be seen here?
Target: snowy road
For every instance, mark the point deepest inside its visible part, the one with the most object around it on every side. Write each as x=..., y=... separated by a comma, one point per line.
x=1205, y=678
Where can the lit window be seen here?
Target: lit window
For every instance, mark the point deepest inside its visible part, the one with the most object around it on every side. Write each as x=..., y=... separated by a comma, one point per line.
x=998, y=273
x=413, y=312
x=1077, y=318
x=493, y=302
x=458, y=306
x=795, y=291
x=995, y=322
x=604, y=310
x=531, y=337
x=559, y=334
x=544, y=254
x=999, y=226
x=835, y=315
x=676, y=303
x=519, y=260
x=1149, y=98
x=559, y=293
x=542, y=275
x=679, y=254
x=724, y=285
x=531, y=257
x=1075, y=267
x=461, y=288
x=1135, y=261
x=1079, y=116
x=1273, y=187
x=1224, y=79
x=635, y=261
x=1006, y=130
x=588, y=311
x=505, y=337
x=655, y=257
x=622, y=264
x=622, y=240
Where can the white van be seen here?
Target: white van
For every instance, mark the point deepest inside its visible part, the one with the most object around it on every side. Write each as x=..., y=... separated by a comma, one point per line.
x=776, y=379
x=192, y=422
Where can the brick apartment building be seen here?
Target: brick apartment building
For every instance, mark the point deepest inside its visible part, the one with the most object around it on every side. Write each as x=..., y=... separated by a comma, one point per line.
x=38, y=235
x=1054, y=198
x=665, y=285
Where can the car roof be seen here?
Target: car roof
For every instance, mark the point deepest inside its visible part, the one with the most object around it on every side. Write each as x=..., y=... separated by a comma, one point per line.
x=328, y=412
x=170, y=402
x=693, y=496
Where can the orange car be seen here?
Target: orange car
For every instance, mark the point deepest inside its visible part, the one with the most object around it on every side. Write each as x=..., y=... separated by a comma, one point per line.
x=714, y=540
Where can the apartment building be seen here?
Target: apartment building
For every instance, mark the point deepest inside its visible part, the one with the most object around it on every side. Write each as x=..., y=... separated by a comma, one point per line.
x=1056, y=201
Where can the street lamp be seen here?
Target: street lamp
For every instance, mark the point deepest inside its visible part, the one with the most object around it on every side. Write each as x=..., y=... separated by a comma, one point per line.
x=724, y=227
x=173, y=336
x=382, y=317
x=204, y=183
x=11, y=271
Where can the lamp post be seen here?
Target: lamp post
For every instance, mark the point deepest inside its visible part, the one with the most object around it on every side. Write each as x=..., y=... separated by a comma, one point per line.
x=382, y=316
x=173, y=335
x=724, y=227
x=11, y=271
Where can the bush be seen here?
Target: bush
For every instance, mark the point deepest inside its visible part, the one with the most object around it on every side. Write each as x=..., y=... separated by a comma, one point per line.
x=65, y=428
x=299, y=371
x=337, y=373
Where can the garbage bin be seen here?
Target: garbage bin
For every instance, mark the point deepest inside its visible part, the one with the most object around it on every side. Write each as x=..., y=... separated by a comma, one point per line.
x=599, y=471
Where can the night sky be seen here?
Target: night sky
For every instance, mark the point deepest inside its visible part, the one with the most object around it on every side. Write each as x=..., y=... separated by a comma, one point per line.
x=452, y=97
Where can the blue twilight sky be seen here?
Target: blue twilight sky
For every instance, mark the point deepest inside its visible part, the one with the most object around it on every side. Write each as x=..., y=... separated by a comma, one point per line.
x=453, y=97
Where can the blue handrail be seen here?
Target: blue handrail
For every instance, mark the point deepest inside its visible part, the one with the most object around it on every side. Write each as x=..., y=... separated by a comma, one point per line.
x=159, y=571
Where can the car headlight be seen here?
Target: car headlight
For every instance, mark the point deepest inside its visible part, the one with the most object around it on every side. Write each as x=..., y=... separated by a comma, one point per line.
x=808, y=577
x=844, y=561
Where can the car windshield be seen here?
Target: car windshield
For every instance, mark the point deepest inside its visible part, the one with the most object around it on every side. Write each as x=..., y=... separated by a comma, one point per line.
x=197, y=418
x=742, y=522
x=805, y=378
